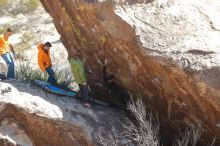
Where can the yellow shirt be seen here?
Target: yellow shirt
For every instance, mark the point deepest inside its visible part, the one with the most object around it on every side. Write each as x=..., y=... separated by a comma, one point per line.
x=4, y=44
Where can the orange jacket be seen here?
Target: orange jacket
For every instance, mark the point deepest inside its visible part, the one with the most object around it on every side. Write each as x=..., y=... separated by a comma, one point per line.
x=44, y=60
x=4, y=44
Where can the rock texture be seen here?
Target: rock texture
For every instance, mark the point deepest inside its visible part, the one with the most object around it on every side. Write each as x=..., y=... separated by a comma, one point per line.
x=178, y=30
x=31, y=117
x=98, y=30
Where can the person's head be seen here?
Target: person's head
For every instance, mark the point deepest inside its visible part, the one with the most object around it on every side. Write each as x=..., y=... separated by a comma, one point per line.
x=110, y=78
x=8, y=32
x=47, y=46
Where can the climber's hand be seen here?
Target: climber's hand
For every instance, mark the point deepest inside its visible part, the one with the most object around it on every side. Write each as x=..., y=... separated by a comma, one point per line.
x=106, y=62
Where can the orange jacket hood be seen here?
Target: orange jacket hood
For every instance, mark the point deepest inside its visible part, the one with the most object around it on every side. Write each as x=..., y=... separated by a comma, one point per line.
x=44, y=60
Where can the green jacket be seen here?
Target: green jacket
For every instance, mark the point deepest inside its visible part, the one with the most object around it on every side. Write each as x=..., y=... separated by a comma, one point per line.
x=78, y=70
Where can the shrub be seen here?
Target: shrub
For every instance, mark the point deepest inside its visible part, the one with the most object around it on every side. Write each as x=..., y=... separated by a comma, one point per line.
x=30, y=5
x=3, y=3
x=145, y=132
x=24, y=72
x=64, y=76
x=15, y=7
x=190, y=137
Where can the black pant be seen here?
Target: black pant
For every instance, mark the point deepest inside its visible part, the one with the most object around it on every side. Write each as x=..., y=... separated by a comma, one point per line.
x=51, y=79
x=84, y=89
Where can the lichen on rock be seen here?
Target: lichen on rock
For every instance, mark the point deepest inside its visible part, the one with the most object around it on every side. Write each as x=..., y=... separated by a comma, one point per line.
x=129, y=35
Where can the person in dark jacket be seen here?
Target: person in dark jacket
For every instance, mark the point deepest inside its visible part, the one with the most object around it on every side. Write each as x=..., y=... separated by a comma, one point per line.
x=116, y=90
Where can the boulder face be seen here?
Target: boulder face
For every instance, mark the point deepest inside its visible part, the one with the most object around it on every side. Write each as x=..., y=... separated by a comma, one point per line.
x=177, y=29
x=28, y=129
x=31, y=117
x=120, y=32
x=28, y=120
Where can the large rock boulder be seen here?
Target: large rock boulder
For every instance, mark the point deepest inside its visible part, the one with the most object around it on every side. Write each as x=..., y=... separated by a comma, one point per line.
x=128, y=34
x=31, y=117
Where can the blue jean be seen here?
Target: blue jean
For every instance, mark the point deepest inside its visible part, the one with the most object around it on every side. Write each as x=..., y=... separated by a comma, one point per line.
x=10, y=63
x=51, y=79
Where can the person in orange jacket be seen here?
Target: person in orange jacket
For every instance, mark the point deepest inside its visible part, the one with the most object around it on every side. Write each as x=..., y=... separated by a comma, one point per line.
x=5, y=48
x=44, y=61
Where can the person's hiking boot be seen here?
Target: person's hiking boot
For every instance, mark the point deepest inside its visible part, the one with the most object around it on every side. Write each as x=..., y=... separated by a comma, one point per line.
x=86, y=104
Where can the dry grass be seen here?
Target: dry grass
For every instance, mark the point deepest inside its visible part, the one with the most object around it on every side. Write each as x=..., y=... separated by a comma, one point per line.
x=24, y=72
x=145, y=132
x=14, y=7
x=190, y=137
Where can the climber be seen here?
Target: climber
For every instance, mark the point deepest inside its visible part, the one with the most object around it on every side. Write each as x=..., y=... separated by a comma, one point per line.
x=44, y=62
x=79, y=73
x=5, y=48
x=116, y=91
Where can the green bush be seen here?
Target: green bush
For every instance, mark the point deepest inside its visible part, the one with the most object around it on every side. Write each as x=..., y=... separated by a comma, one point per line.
x=25, y=72
x=30, y=5
x=1, y=30
x=63, y=77
x=3, y=3
x=20, y=6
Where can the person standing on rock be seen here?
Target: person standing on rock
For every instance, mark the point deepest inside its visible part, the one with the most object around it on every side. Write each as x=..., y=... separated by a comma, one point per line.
x=5, y=48
x=78, y=70
x=44, y=62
